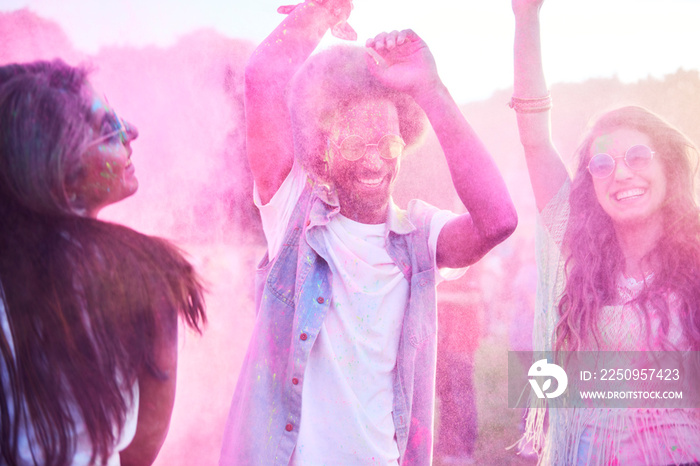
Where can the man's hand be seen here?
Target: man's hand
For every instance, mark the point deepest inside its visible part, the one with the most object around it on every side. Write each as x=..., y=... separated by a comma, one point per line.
x=401, y=60
x=270, y=68
x=340, y=10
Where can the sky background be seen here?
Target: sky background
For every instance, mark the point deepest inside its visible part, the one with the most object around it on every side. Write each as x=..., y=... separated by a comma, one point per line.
x=472, y=40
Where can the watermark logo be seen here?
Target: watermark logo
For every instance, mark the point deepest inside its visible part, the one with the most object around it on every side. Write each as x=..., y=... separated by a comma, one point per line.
x=604, y=379
x=541, y=369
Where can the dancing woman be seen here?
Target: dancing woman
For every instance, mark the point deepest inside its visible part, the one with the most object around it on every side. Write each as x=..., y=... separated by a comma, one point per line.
x=618, y=264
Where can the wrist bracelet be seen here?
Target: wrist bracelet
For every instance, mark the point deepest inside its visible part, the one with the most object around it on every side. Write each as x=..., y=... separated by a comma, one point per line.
x=531, y=105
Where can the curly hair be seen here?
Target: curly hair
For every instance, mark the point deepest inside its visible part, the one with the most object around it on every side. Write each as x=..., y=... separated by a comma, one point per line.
x=328, y=84
x=83, y=298
x=595, y=259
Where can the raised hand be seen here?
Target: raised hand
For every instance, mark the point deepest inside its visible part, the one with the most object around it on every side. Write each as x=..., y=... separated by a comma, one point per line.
x=547, y=171
x=270, y=68
x=340, y=9
x=401, y=60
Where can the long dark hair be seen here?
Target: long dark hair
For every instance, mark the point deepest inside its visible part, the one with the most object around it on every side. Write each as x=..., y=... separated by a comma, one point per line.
x=595, y=259
x=83, y=297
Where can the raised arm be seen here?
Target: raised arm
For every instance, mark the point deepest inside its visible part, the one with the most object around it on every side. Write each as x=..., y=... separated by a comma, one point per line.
x=267, y=74
x=547, y=171
x=404, y=62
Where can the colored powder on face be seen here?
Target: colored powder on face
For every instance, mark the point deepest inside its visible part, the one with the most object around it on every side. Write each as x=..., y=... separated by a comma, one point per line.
x=97, y=104
x=602, y=143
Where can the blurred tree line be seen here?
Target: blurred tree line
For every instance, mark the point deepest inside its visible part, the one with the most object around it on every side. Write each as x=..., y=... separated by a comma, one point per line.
x=187, y=101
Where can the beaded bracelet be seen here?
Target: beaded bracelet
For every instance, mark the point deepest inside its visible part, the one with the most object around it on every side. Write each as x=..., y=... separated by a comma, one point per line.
x=531, y=105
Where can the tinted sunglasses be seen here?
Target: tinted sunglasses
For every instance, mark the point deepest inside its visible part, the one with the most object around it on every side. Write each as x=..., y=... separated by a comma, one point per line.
x=112, y=129
x=352, y=148
x=636, y=158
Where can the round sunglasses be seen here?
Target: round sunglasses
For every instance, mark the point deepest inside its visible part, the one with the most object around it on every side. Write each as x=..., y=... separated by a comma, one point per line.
x=636, y=158
x=353, y=147
x=113, y=130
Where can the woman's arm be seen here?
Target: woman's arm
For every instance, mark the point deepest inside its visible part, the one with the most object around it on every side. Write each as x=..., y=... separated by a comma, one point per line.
x=267, y=75
x=547, y=171
x=156, y=395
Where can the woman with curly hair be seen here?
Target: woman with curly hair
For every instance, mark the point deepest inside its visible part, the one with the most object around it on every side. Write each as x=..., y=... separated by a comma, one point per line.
x=618, y=264
x=89, y=309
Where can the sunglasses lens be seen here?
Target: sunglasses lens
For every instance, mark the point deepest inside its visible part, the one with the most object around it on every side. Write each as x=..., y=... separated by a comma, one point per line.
x=638, y=157
x=390, y=146
x=601, y=165
x=113, y=131
x=119, y=127
x=352, y=147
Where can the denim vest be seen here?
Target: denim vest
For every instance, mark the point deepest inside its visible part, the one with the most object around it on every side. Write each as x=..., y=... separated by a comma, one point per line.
x=293, y=294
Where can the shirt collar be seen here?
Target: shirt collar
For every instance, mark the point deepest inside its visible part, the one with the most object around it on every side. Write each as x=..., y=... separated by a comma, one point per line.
x=397, y=218
x=398, y=221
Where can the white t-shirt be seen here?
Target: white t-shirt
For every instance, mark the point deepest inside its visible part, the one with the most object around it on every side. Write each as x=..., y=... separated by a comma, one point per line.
x=346, y=412
x=83, y=445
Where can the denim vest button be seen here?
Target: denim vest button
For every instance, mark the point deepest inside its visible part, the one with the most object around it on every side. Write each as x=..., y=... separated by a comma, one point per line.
x=320, y=300
x=295, y=381
x=288, y=427
x=303, y=337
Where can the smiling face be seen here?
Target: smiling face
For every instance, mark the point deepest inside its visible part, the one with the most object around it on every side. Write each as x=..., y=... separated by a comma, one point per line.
x=630, y=198
x=364, y=186
x=104, y=174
